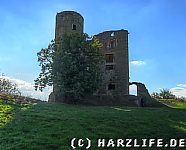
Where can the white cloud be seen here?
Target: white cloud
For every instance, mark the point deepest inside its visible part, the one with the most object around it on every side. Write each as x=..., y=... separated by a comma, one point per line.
x=137, y=63
x=181, y=85
x=179, y=91
x=22, y=85
x=27, y=88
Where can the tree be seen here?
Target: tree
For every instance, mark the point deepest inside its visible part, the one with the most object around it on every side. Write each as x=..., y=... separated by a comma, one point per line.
x=155, y=95
x=166, y=94
x=7, y=87
x=45, y=59
x=72, y=65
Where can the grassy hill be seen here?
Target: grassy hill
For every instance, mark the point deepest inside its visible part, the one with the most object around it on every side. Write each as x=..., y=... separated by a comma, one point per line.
x=44, y=126
x=174, y=103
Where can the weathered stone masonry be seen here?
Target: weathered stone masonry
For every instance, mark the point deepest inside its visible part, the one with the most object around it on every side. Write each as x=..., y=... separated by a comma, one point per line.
x=115, y=49
x=115, y=68
x=68, y=22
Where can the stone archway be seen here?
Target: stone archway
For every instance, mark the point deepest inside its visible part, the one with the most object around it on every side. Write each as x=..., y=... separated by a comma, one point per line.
x=141, y=89
x=142, y=94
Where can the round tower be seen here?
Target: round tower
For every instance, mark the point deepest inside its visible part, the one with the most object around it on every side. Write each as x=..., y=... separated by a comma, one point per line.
x=68, y=22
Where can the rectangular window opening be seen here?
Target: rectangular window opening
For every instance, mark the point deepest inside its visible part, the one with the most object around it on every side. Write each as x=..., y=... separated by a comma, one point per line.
x=109, y=58
x=111, y=86
x=73, y=27
x=111, y=44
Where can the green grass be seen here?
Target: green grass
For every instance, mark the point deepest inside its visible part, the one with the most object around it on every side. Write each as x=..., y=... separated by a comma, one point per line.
x=51, y=126
x=174, y=103
x=8, y=110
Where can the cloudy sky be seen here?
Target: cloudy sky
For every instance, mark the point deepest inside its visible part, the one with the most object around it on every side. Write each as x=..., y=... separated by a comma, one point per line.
x=157, y=39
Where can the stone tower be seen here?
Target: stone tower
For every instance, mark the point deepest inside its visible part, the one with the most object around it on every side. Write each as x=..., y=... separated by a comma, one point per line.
x=68, y=22
x=116, y=67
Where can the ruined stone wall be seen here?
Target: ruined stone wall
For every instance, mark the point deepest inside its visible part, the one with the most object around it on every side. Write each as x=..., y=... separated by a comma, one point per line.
x=143, y=97
x=116, y=67
x=115, y=49
x=115, y=88
x=141, y=89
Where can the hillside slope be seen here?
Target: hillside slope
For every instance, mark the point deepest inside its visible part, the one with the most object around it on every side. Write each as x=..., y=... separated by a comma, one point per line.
x=51, y=126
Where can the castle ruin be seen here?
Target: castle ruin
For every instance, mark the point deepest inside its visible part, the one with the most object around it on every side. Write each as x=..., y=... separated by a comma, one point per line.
x=116, y=67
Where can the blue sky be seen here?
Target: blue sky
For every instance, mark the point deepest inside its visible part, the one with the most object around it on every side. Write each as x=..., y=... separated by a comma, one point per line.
x=157, y=39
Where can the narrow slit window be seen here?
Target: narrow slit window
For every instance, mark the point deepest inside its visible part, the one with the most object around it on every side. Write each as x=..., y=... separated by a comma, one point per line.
x=74, y=27
x=112, y=44
x=109, y=58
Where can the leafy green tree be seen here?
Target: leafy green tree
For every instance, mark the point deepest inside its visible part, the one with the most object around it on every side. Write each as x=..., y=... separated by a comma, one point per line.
x=7, y=87
x=74, y=68
x=166, y=94
x=45, y=59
